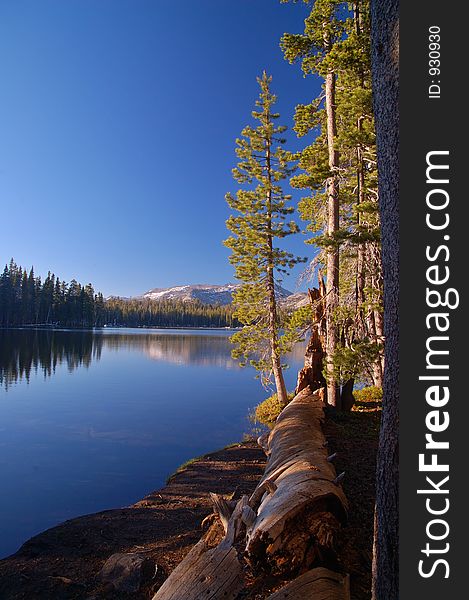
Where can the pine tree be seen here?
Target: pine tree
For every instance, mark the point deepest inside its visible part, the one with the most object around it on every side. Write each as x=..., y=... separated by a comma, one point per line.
x=5, y=297
x=57, y=302
x=88, y=306
x=259, y=219
x=25, y=299
x=322, y=30
x=339, y=168
x=32, y=293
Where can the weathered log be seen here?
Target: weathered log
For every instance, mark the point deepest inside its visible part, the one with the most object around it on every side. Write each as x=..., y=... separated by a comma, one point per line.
x=209, y=572
x=262, y=441
x=290, y=520
x=223, y=509
x=311, y=374
x=299, y=505
x=317, y=584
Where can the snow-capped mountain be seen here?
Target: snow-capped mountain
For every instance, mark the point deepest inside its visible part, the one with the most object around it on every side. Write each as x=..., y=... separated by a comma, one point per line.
x=296, y=300
x=207, y=294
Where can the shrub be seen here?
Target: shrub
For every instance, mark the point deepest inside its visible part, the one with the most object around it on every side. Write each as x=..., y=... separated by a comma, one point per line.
x=267, y=411
x=369, y=394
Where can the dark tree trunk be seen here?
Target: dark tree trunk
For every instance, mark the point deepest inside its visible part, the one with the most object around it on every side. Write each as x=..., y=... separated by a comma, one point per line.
x=385, y=70
x=347, y=398
x=332, y=281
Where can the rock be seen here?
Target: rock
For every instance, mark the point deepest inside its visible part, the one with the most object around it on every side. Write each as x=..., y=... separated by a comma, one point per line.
x=128, y=572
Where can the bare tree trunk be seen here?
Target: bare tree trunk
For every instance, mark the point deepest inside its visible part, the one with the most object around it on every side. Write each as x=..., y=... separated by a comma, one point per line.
x=347, y=398
x=377, y=285
x=379, y=322
x=361, y=320
x=360, y=289
x=311, y=374
x=385, y=72
x=376, y=366
x=332, y=281
x=276, y=365
x=282, y=394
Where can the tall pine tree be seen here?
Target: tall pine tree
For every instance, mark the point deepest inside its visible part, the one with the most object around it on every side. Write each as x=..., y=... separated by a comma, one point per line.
x=339, y=167
x=259, y=220
x=322, y=30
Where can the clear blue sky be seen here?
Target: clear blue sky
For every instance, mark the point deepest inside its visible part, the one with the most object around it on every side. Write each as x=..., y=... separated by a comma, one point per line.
x=117, y=127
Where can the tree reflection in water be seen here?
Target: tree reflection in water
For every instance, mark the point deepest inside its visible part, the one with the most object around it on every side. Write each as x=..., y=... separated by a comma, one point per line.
x=24, y=352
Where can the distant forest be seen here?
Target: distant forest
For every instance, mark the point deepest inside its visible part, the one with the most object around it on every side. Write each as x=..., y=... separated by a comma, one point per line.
x=27, y=300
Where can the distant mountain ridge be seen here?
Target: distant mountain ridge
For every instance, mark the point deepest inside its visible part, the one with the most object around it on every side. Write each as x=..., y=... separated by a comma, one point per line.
x=207, y=294
x=211, y=294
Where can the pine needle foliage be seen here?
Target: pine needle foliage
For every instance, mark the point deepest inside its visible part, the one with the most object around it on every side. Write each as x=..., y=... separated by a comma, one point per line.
x=358, y=313
x=259, y=221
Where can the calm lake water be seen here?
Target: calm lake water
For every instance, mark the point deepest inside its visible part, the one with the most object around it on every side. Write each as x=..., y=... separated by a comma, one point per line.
x=91, y=420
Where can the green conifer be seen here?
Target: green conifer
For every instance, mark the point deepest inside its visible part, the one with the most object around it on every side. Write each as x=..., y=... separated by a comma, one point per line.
x=259, y=219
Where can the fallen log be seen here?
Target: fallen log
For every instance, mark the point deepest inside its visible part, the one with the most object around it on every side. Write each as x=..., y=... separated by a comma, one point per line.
x=299, y=503
x=317, y=584
x=289, y=522
x=210, y=572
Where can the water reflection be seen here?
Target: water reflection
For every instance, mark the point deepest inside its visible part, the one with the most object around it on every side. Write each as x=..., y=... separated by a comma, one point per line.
x=179, y=348
x=78, y=440
x=23, y=352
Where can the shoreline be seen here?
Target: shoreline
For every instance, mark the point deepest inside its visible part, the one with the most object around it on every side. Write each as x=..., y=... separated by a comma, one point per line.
x=162, y=328
x=65, y=561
